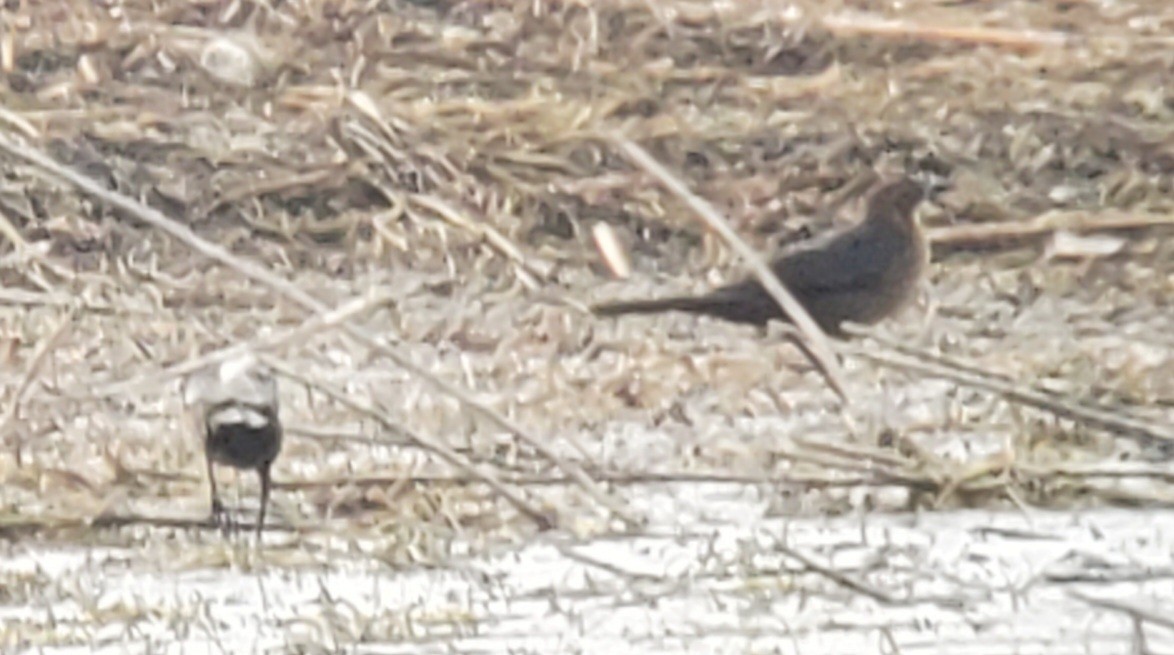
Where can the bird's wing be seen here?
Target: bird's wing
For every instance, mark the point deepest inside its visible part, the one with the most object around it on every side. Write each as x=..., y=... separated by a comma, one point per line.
x=847, y=263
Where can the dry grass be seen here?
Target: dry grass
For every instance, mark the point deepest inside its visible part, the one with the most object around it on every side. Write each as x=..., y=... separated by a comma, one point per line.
x=435, y=169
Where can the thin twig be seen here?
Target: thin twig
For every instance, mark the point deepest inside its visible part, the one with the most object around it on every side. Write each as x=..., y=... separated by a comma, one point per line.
x=444, y=451
x=972, y=235
x=332, y=435
x=841, y=579
x=24, y=525
x=1113, y=421
x=1132, y=609
x=821, y=350
x=1024, y=40
x=532, y=268
x=610, y=567
x=612, y=477
x=299, y=334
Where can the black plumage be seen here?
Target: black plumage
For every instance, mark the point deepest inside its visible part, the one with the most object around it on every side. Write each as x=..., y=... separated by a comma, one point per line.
x=241, y=427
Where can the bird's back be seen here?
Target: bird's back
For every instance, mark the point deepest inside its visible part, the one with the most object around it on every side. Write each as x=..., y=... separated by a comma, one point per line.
x=862, y=275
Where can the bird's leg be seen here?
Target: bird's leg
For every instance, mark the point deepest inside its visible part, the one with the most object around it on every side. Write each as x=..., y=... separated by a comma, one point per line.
x=263, y=471
x=218, y=515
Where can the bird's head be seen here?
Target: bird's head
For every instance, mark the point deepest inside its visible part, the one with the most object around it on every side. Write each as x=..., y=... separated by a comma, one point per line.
x=896, y=200
x=242, y=378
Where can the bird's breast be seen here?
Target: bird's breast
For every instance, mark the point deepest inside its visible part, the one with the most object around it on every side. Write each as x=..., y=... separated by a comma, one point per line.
x=242, y=436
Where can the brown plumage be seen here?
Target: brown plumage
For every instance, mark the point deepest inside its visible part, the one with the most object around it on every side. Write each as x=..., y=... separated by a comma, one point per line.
x=238, y=415
x=862, y=274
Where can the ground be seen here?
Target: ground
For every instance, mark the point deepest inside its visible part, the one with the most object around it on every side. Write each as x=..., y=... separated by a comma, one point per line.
x=398, y=204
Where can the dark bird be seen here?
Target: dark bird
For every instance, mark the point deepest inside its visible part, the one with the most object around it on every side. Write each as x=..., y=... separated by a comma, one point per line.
x=861, y=274
x=237, y=406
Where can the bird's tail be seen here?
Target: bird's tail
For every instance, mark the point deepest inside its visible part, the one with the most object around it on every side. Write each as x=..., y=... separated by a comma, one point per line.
x=692, y=304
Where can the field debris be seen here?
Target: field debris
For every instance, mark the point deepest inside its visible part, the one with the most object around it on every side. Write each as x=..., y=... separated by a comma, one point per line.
x=403, y=207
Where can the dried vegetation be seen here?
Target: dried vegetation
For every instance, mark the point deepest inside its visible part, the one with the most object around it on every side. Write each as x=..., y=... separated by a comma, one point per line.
x=434, y=171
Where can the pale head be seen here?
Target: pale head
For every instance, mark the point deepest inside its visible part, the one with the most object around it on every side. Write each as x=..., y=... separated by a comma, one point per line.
x=242, y=379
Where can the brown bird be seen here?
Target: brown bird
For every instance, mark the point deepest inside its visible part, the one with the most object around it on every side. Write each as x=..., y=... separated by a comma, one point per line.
x=238, y=412
x=861, y=274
